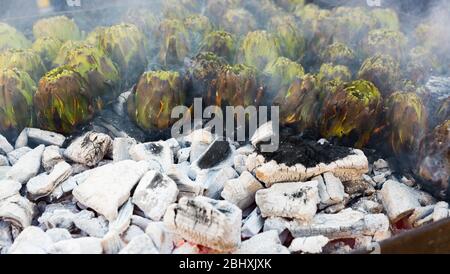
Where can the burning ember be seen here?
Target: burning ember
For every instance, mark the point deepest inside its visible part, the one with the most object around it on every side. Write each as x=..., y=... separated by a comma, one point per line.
x=90, y=161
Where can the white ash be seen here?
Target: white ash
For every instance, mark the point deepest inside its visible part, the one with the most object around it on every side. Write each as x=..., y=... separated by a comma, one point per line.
x=58, y=234
x=213, y=181
x=398, y=199
x=14, y=208
x=5, y=146
x=4, y=160
x=158, y=154
x=31, y=240
x=162, y=238
x=141, y=244
x=89, y=149
x=252, y=224
x=311, y=245
x=440, y=211
x=27, y=166
x=44, y=137
x=239, y=161
x=84, y=245
x=183, y=154
x=264, y=243
x=22, y=139
x=44, y=184
x=186, y=187
x=121, y=148
x=16, y=154
x=51, y=157
x=132, y=232
x=241, y=191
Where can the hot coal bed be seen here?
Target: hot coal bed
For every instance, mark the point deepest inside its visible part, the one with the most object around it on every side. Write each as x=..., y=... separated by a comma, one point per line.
x=88, y=163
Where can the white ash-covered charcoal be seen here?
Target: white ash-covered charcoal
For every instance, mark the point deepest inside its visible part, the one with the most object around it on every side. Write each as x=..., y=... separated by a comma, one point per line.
x=186, y=248
x=336, y=207
x=6, y=238
x=174, y=145
x=425, y=198
x=58, y=234
x=213, y=181
x=201, y=220
x=89, y=149
x=119, y=105
x=368, y=205
x=44, y=137
x=440, y=211
x=263, y=134
x=3, y=171
x=132, y=232
x=5, y=146
x=93, y=226
x=358, y=188
x=264, y=243
x=27, y=166
x=162, y=238
x=421, y=215
x=241, y=191
x=112, y=243
x=121, y=148
x=13, y=207
x=106, y=189
x=310, y=245
x=253, y=224
x=331, y=189
x=183, y=154
x=158, y=154
x=186, y=187
x=51, y=157
x=22, y=139
x=198, y=140
x=16, y=154
x=290, y=200
x=68, y=185
x=349, y=168
x=216, y=157
x=141, y=244
x=84, y=245
x=380, y=166
x=398, y=200
x=346, y=224
x=60, y=215
x=44, y=184
x=140, y=221
x=245, y=150
x=154, y=193
x=32, y=240
x=253, y=161
x=239, y=163
x=4, y=160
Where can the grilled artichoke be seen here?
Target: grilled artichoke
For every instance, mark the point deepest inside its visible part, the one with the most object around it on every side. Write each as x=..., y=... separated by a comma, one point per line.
x=16, y=100
x=351, y=111
x=197, y=26
x=329, y=72
x=434, y=163
x=146, y=20
x=93, y=38
x=292, y=40
x=96, y=68
x=59, y=27
x=385, y=41
x=25, y=60
x=238, y=86
x=10, y=38
x=63, y=100
x=338, y=54
x=238, y=21
x=383, y=71
x=156, y=94
x=290, y=5
x=201, y=75
x=406, y=121
x=64, y=50
x=175, y=42
x=300, y=105
x=48, y=49
x=386, y=18
x=421, y=64
x=221, y=43
x=126, y=46
x=280, y=74
x=258, y=49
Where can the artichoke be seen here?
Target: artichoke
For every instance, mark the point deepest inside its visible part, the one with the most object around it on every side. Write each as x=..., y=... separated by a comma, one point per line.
x=329, y=72
x=421, y=64
x=197, y=26
x=300, y=105
x=290, y=5
x=434, y=163
x=93, y=38
x=175, y=42
x=292, y=40
x=179, y=9
x=258, y=49
x=63, y=100
x=280, y=74
x=351, y=111
x=238, y=21
x=443, y=111
x=383, y=71
x=386, y=18
x=59, y=27
x=25, y=60
x=96, y=68
x=406, y=121
x=238, y=86
x=156, y=94
x=125, y=44
x=144, y=19
x=48, y=49
x=16, y=100
x=262, y=10
x=10, y=38
x=385, y=41
x=201, y=75
x=64, y=50
x=221, y=43
x=338, y=54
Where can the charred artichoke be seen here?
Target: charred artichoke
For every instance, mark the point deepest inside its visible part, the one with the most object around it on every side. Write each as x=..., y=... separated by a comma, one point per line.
x=421, y=64
x=238, y=86
x=10, y=38
x=290, y=5
x=64, y=50
x=25, y=60
x=280, y=74
x=329, y=72
x=16, y=100
x=63, y=100
x=126, y=46
x=338, y=54
x=386, y=18
x=383, y=71
x=197, y=26
x=406, y=121
x=48, y=49
x=385, y=41
x=59, y=27
x=351, y=111
x=175, y=42
x=292, y=40
x=221, y=43
x=156, y=94
x=238, y=21
x=258, y=49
